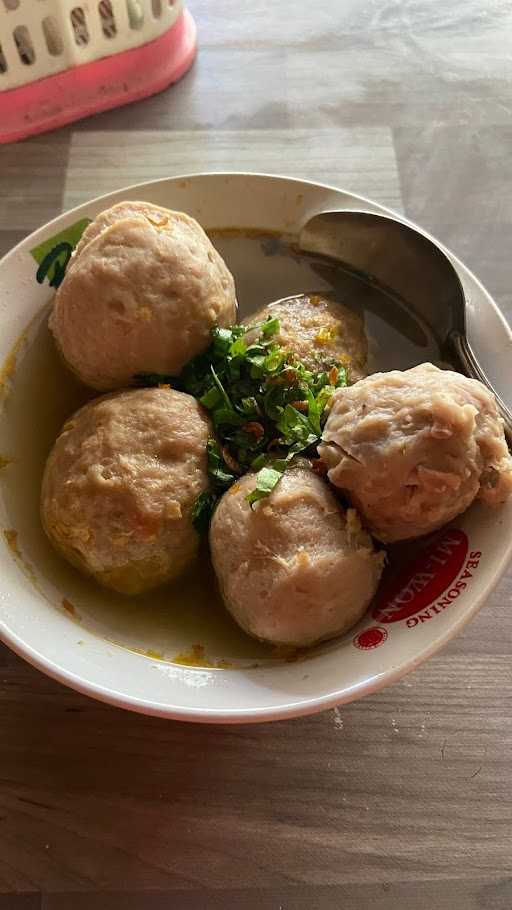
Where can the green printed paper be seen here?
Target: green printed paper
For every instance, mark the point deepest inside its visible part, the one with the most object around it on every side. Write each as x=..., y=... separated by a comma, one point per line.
x=53, y=254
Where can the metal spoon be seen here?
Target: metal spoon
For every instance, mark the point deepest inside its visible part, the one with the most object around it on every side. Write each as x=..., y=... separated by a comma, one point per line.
x=404, y=262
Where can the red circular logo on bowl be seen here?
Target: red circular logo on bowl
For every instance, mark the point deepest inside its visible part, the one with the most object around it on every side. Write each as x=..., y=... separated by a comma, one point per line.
x=370, y=638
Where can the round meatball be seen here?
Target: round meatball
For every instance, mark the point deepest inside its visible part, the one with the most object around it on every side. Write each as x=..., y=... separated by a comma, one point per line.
x=413, y=449
x=319, y=331
x=140, y=294
x=295, y=569
x=120, y=484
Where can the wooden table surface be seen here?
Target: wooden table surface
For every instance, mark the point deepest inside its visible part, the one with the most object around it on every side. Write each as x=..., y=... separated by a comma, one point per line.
x=401, y=800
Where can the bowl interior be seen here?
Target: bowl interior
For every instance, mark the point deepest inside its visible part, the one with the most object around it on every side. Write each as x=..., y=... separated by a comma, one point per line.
x=176, y=652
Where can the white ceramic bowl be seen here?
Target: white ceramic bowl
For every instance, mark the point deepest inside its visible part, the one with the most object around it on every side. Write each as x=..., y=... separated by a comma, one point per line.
x=114, y=654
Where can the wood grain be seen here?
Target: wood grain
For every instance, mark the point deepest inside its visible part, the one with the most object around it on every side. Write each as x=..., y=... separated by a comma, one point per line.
x=362, y=158
x=401, y=800
x=32, y=181
x=408, y=785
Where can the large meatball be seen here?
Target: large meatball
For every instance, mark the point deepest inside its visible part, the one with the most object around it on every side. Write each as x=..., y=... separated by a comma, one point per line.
x=120, y=484
x=413, y=449
x=319, y=331
x=296, y=569
x=141, y=293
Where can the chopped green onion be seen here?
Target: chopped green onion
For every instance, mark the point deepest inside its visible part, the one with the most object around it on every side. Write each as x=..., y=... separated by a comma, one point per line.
x=266, y=480
x=266, y=408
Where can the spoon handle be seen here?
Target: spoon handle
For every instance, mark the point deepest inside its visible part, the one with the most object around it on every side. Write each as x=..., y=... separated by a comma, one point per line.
x=472, y=367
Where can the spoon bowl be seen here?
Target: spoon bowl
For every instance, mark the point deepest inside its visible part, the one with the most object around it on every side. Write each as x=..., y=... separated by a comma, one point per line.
x=412, y=268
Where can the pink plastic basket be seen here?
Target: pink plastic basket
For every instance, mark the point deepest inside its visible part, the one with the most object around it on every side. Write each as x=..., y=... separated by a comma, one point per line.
x=61, y=60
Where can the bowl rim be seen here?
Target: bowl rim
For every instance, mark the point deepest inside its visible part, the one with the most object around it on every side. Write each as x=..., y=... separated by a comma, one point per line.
x=286, y=710
x=226, y=716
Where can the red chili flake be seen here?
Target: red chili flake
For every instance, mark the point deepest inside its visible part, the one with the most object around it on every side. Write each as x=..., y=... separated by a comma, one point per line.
x=300, y=406
x=319, y=467
x=254, y=428
x=231, y=462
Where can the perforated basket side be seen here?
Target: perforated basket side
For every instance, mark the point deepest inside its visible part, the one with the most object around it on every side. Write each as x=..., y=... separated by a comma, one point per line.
x=39, y=38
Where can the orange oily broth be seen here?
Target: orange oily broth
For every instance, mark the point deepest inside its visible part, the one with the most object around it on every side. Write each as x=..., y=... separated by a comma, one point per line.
x=184, y=622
